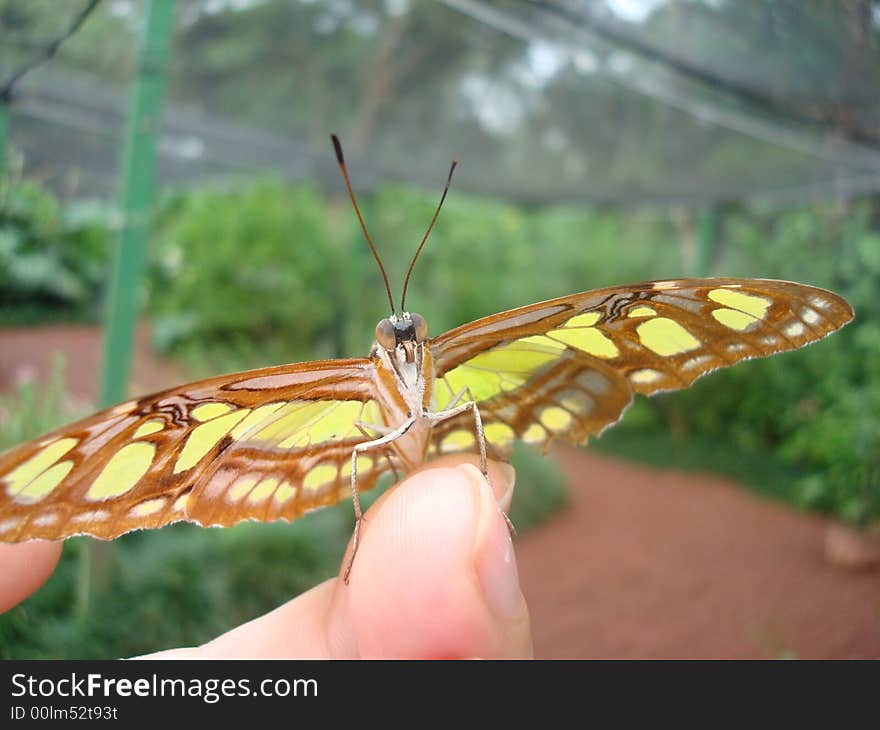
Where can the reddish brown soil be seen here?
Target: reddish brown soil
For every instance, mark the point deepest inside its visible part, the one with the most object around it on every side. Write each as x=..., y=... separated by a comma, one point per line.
x=641, y=564
x=28, y=352
x=665, y=564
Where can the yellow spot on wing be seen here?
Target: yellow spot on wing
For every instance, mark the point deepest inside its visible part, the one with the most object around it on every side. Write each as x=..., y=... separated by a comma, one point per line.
x=288, y=424
x=123, y=471
x=205, y=437
x=541, y=341
x=146, y=508
x=645, y=376
x=207, y=411
x=534, y=434
x=555, y=418
x=748, y=303
x=666, y=337
x=154, y=425
x=458, y=439
x=498, y=433
x=45, y=483
x=734, y=319
x=254, y=419
x=510, y=358
x=284, y=492
x=371, y=415
x=482, y=384
x=19, y=477
x=641, y=311
x=336, y=422
x=364, y=463
x=241, y=488
x=590, y=340
x=502, y=369
x=263, y=490
x=587, y=319
x=320, y=475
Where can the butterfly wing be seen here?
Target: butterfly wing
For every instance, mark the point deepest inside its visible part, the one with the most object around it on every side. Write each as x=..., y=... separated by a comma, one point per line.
x=265, y=444
x=569, y=367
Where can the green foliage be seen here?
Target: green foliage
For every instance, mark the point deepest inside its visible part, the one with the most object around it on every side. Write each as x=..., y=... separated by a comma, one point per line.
x=53, y=260
x=179, y=586
x=254, y=266
x=540, y=488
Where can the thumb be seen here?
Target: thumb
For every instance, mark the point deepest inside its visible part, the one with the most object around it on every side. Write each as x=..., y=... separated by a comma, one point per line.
x=435, y=575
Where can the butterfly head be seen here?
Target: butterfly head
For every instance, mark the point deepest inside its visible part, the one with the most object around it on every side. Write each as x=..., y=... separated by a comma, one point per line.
x=402, y=334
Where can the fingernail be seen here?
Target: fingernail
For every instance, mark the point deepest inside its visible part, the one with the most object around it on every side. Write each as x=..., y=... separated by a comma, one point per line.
x=494, y=556
x=508, y=474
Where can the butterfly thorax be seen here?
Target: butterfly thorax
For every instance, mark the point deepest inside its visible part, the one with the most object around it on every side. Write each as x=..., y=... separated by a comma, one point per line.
x=404, y=380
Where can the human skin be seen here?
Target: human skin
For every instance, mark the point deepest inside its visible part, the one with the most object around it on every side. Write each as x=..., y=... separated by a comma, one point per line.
x=435, y=577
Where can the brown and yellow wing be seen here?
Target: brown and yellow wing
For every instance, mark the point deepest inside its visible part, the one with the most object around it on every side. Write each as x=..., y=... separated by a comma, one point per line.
x=568, y=368
x=265, y=444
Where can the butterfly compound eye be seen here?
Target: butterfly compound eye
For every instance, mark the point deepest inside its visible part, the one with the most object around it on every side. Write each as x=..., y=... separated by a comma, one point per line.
x=420, y=326
x=385, y=334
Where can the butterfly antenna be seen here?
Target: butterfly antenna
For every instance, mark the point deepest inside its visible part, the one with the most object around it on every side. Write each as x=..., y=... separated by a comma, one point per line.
x=427, y=233
x=341, y=160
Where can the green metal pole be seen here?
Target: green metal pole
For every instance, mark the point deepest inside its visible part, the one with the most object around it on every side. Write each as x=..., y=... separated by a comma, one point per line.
x=4, y=130
x=139, y=174
x=708, y=233
x=139, y=166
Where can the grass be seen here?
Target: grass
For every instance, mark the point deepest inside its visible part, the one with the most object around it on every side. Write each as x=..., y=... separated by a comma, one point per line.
x=34, y=408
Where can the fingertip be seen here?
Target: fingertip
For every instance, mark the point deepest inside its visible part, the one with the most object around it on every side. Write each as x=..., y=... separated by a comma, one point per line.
x=24, y=567
x=416, y=588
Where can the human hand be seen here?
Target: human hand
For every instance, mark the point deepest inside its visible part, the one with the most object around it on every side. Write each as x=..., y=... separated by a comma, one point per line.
x=434, y=577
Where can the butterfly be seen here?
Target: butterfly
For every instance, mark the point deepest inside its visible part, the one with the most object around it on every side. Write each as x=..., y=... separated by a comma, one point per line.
x=276, y=442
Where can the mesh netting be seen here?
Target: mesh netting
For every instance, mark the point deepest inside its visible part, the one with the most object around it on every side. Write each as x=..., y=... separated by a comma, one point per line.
x=612, y=101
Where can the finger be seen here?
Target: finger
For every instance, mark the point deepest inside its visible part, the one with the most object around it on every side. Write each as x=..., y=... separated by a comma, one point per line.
x=24, y=567
x=435, y=576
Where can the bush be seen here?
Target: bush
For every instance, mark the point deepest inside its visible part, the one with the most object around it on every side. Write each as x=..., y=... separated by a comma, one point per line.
x=254, y=267
x=53, y=260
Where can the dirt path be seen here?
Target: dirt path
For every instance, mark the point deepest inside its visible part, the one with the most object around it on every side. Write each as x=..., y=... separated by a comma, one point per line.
x=642, y=563
x=28, y=352
x=664, y=564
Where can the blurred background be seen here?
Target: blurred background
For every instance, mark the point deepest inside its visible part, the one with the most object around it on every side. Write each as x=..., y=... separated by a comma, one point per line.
x=170, y=208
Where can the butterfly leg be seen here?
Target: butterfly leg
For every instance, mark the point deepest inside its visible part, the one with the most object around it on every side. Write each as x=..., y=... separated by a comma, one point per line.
x=458, y=396
x=358, y=513
x=481, y=439
x=471, y=405
x=378, y=428
x=362, y=427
